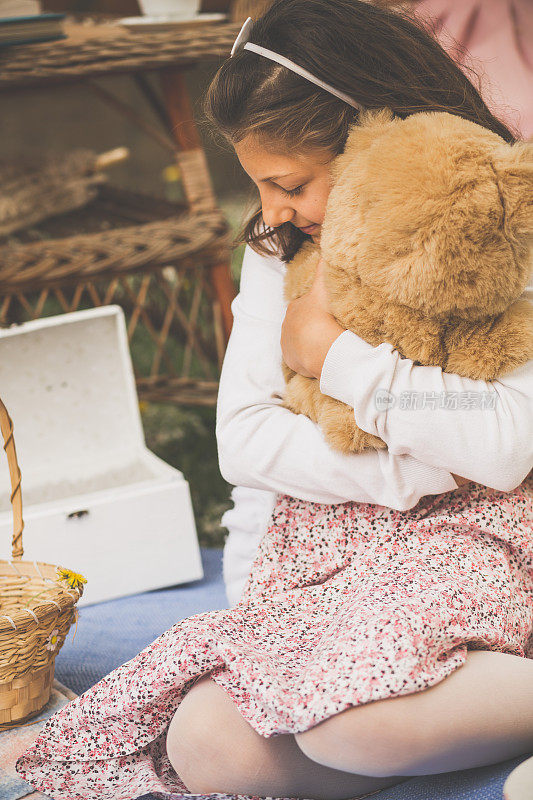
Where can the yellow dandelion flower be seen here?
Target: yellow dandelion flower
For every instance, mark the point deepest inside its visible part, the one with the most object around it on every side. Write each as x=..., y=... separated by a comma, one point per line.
x=74, y=579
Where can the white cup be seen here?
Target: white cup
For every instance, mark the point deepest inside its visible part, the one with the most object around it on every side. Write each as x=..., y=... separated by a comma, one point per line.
x=170, y=8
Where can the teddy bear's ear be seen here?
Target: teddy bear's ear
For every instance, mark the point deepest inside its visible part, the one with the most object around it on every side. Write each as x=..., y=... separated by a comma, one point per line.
x=369, y=126
x=514, y=170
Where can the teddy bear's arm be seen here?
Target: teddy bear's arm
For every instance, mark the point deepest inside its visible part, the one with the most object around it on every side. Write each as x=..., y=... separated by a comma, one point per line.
x=376, y=319
x=486, y=350
x=299, y=396
x=336, y=419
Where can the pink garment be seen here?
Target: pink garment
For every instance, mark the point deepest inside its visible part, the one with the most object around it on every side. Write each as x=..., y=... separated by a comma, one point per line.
x=498, y=35
x=345, y=604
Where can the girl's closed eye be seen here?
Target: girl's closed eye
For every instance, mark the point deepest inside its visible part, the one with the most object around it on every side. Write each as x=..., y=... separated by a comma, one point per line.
x=292, y=192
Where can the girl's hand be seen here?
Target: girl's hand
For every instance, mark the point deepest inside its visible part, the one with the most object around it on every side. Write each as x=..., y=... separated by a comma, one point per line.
x=309, y=330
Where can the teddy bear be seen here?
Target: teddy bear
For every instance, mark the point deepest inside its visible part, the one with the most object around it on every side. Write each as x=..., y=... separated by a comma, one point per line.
x=428, y=243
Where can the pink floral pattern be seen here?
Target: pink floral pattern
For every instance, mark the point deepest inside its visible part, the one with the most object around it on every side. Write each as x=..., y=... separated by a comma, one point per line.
x=345, y=604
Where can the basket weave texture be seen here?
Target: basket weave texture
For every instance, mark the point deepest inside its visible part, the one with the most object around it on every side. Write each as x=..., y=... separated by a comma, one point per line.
x=96, y=49
x=37, y=608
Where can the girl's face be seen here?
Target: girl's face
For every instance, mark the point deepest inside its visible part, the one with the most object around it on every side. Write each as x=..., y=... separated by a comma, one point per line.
x=293, y=189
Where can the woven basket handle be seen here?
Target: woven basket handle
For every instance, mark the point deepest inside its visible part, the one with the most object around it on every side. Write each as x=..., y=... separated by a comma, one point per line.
x=6, y=424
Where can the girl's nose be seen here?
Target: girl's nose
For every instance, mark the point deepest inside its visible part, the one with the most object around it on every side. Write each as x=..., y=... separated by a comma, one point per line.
x=275, y=214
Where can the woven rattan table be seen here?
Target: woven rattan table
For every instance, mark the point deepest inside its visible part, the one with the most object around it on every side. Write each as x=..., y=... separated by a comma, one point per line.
x=167, y=264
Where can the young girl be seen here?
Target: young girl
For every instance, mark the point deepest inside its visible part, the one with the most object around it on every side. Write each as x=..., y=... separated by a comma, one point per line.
x=385, y=627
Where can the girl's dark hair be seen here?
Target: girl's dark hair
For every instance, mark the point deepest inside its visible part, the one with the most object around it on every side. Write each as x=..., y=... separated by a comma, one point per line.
x=379, y=56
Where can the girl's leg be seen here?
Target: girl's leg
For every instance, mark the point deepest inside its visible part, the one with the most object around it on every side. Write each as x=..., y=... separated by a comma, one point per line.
x=214, y=749
x=480, y=714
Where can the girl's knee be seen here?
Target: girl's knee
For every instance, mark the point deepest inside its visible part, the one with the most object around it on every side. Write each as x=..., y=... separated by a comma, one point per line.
x=203, y=736
x=190, y=737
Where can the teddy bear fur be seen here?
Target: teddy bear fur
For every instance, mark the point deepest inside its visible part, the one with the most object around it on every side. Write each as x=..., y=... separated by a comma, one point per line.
x=428, y=243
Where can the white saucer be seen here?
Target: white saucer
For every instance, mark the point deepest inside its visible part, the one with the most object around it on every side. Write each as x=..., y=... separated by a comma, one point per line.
x=169, y=22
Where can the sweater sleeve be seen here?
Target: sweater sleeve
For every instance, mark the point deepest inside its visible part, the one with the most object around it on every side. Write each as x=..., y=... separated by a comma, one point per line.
x=265, y=446
x=481, y=430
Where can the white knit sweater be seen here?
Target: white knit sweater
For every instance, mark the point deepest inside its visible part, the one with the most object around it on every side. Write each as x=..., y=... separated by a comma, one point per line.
x=433, y=422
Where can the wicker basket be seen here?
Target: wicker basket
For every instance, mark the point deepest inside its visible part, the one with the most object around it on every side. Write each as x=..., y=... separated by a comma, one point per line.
x=37, y=608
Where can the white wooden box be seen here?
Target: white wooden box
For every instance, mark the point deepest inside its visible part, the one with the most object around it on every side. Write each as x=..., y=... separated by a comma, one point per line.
x=94, y=498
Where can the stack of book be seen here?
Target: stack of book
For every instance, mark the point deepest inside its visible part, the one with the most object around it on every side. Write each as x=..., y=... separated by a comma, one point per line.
x=22, y=23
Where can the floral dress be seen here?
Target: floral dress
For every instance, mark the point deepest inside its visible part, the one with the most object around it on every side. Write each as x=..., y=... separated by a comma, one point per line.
x=345, y=604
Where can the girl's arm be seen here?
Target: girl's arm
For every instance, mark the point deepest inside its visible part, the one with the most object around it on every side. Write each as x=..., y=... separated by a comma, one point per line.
x=263, y=445
x=477, y=429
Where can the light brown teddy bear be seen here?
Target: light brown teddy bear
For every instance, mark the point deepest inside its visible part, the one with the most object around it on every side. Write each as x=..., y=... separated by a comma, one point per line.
x=428, y=243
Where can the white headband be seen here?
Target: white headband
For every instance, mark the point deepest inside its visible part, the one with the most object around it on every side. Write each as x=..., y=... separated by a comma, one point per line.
x=242, y=43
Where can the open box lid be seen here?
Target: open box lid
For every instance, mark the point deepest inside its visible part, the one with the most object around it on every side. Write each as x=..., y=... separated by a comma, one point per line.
x=67, y=382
